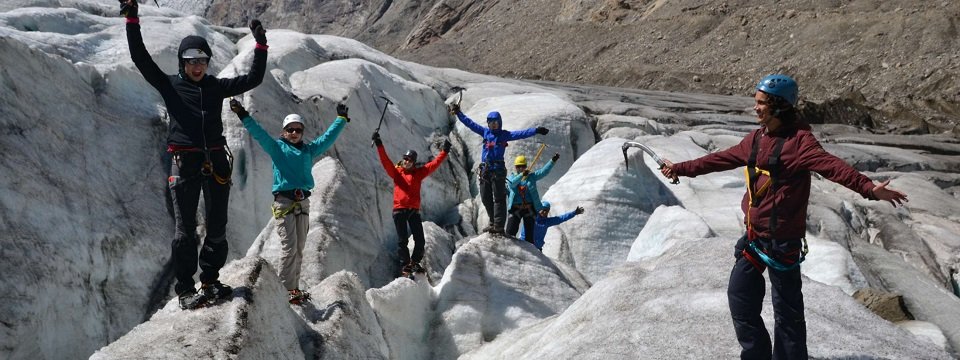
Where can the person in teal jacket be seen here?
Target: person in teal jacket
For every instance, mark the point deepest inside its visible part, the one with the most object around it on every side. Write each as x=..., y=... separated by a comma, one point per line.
x=544, y=221
x=292, y=181
x=524, y=198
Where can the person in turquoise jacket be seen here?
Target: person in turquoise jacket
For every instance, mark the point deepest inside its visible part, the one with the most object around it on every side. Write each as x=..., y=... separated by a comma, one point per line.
x=544, y=221
x=524, y=198
x=292, y=181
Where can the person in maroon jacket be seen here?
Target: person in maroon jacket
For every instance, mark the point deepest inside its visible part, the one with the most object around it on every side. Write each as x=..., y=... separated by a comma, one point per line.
x=779, y=157
x=407, y=178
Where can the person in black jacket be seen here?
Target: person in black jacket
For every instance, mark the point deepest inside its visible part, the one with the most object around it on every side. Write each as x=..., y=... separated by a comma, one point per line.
x=200, y=158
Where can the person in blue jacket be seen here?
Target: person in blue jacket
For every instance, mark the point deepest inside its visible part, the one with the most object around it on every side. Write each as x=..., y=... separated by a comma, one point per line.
x=492, y=170
x=292, y=181
x=544, y=221
x=524, y=198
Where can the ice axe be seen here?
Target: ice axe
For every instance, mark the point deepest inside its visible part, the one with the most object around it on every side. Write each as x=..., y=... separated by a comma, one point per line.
x=535, y=158
x=382, y=113
x=460, y=90
x=657, y=158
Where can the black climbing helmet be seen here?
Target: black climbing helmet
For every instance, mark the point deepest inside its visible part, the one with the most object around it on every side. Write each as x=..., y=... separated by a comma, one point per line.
x=410, y=156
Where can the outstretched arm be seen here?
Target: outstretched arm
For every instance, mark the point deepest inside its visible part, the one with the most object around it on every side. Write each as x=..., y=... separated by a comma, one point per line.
x=521, y=134
x=730, y=158
x=473, y=126
x=814, y=158
x=557, y=220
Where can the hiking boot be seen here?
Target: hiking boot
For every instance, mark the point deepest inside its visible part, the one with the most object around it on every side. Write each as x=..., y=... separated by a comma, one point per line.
x=417, y=268
x=190, y=300
x=496, y=230
x=216, y=291
x=407, y=271
x=298, y=296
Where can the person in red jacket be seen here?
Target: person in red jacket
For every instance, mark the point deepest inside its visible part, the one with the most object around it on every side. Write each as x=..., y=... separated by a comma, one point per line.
x=407, y=178
x=779, y=157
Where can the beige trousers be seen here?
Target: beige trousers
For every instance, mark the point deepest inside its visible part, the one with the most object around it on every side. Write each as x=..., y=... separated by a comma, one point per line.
x=292, y=229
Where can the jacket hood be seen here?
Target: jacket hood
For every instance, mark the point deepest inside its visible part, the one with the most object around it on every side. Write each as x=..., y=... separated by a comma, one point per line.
x=494, y=116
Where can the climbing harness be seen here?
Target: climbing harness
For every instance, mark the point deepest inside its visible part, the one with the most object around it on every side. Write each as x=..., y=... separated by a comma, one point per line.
x=297, y=195
x=753, y=173
x=206, y=167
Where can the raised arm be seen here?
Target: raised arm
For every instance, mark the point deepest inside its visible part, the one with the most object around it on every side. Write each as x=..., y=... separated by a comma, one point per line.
x=385, y=159
x=243, y=83
x=138, y=52
x=256, y=131
x=545, y=170
x=433, y=165
x=322, y=143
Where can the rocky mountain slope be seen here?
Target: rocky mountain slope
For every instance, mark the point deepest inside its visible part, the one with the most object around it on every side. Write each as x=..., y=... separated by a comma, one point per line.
x=893, y=66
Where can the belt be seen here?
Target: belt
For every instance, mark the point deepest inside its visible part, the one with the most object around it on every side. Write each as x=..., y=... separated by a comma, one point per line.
x=295, y=194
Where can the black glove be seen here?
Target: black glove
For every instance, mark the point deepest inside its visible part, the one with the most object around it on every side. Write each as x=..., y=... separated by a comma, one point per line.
x=259, y=33
x=579, y=210
x=237, y=108
x=446, y=146
x=454, y=109
x=129, y=8
x=376, y=139
x=342, y=110
x=542, y=130
x=556, y=157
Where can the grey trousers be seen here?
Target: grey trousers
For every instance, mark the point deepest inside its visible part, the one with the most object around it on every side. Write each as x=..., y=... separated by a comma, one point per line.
x=292, y=229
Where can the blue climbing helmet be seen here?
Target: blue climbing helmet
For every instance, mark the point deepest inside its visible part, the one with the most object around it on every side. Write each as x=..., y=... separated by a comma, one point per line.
x=781, y=86
x=494, y=116
x=545, y=206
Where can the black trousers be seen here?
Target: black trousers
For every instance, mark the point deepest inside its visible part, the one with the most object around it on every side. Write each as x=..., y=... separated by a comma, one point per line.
x=493, y=194
x=404, y=219
x=186, y=182
x=529, y=222
x=745, y=294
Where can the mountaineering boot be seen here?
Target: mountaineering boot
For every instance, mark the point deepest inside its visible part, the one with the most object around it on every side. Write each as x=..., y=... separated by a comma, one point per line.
x=298, y=296
x=488, y=228
x=190, y=300
x=215, y=291
x=496, y=230
x=407, y=271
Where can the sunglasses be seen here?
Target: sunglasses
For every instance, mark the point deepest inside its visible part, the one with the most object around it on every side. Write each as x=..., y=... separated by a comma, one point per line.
x=293, y=130
x=197, y=61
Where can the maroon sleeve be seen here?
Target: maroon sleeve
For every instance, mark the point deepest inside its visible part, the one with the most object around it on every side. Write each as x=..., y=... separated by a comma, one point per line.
x=813, y=157
x=730, y=158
